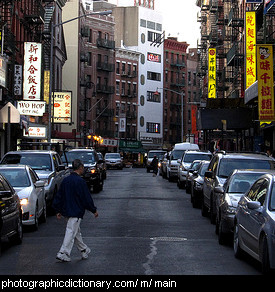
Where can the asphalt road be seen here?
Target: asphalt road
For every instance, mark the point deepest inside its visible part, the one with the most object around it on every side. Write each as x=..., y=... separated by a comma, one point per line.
x=146, y=226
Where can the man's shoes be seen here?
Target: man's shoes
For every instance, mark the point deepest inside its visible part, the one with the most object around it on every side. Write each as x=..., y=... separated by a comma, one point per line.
x=85, y=253
x=62, y=257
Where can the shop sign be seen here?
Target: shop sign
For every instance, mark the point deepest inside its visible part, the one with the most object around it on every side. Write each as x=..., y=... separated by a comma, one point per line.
x=62, y=107
x=35, y=132
x=154, y=57
x=31, y=108
x=18, y=78
x=212, y=73
x=32, y=71
x=265, y=82
x=250, y=24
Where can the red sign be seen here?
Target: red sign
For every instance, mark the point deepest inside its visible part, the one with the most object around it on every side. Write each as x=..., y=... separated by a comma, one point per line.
x=154, y=57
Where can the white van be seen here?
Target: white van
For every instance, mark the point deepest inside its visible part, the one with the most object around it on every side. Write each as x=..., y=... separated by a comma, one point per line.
x=176, y=154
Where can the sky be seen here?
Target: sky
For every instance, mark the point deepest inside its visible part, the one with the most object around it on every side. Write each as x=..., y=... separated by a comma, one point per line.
x=179, y=18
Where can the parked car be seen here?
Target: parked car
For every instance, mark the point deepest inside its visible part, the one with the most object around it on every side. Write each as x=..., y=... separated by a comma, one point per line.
x=10, y=213
x=228, y=196
x=254, y=223
x=113, y=160
x=220, y=166
x=46, y=163
x=103, y=165
x=197, y=182
x=185, y=162
x=163, y=165
x=93, y=171
x=176, y=154
x=30, y=190
x=194, y=166
x=150, y=156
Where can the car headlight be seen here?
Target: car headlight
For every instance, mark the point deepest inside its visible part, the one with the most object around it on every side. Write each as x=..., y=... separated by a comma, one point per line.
x=230, y=208
x=24, y=202
x=92, y=170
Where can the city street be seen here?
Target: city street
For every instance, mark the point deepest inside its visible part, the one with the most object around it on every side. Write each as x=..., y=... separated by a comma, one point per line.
x=146, y=226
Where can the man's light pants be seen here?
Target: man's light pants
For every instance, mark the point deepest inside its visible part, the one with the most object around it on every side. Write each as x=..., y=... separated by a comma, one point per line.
x=72, y=235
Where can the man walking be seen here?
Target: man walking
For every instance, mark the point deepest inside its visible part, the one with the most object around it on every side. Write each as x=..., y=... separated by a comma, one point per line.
x=71, y=201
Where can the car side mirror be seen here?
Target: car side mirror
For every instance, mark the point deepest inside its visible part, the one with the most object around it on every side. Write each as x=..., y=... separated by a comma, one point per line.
x=253, y=205
x=219, y=190
x=39, y=183
x=209, y=174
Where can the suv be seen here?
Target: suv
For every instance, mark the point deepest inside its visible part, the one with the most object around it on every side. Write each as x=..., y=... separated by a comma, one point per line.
x=113, y=160
x=93, y=170
x=220, y=167
x=185, y=162
x=150, y=156
x=47, y=165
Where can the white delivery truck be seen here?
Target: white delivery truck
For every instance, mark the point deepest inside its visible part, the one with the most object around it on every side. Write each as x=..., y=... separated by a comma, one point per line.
x=176, y=153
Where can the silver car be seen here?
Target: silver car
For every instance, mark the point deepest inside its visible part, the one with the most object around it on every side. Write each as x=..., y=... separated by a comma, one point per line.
x=30, y=190
x=228, y=196
x=113, y=160
x=254, y=224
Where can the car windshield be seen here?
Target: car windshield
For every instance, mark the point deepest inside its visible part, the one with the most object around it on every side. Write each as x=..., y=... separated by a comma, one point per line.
x=241, y=182
x=203, y=169
x=84, y=156
x=37, y=161
x=112, y=156
x=196, y=156
x=228, y=165
x=177, y=154
x=158, y=154
x=16, y=177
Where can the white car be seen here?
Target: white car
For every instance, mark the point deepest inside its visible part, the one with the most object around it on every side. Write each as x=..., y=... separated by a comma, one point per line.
x=113, y=160
x=30, y=190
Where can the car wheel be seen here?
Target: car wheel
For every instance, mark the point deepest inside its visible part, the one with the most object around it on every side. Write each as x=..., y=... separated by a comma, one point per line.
x=212, y=215
x=221, y=235
x=236, y=243
x=204, y=210
x=264, y=255
x=43, y=217
x=18, y=237
x=35, y=225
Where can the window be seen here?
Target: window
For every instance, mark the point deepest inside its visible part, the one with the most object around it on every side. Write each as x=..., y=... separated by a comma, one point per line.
x=117, y=67
x=151, y=96
x=153, y=128
x=117, y=87
x=154, y=37
x=143, y=23
x=153, y=76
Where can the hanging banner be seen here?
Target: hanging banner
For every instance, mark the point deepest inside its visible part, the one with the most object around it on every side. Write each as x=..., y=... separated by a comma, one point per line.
x=18, y=78
x=32, y=71
x=250, y=32
x=212, y=73
x=265, y=82
x=62, y=107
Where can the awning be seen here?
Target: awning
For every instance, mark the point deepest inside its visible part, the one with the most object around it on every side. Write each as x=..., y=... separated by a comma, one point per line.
x=236, y=118
x=132, y=150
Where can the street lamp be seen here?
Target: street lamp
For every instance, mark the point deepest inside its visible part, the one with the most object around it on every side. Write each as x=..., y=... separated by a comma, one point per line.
x=181, y=95
x=53, y=26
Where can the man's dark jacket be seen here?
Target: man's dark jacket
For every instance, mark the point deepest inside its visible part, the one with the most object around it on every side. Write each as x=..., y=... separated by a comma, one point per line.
x=73, y=197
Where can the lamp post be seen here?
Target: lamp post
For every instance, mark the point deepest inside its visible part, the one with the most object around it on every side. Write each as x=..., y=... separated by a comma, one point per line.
x=181, y=95
x=53, y=26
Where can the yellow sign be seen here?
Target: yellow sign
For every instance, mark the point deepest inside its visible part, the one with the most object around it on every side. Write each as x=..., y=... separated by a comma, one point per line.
x=212, y=73
x=250, y=25
x=46, y=86
x=265, y=82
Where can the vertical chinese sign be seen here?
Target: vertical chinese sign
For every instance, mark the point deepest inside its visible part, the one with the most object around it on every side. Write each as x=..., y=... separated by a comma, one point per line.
x=32, y=71
x=212, y=73
x=250, y=25
x=62, y=107
x=265, y=82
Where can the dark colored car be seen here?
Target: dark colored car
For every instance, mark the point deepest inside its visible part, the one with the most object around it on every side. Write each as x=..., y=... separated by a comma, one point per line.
x=228, y=197
x=220, y=167
x=197, y=183
x=93, y=173
x=10, y=213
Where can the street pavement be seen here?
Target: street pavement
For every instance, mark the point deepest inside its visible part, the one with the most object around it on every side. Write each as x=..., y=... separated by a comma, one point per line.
x=146, y=226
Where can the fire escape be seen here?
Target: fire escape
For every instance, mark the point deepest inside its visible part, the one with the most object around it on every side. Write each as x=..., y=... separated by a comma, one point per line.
x=235, y=54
